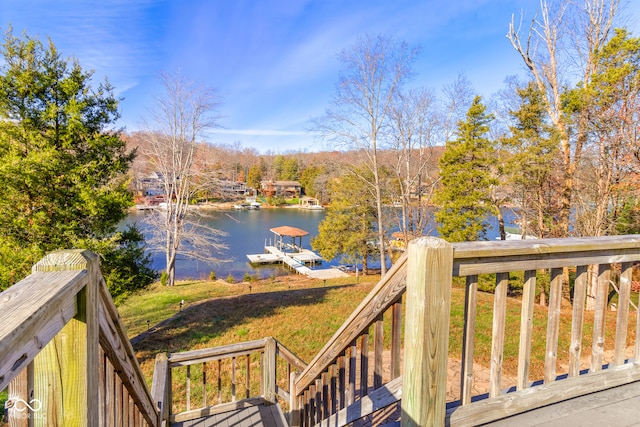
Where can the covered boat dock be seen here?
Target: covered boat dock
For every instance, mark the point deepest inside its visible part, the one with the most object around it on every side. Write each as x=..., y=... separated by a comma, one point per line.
x=287, y=250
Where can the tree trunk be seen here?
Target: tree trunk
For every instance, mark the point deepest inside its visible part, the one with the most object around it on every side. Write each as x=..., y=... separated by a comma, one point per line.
x=543, y=298
x=171, y=268
x=541, y=226
x=381, y=243
x=503, y=234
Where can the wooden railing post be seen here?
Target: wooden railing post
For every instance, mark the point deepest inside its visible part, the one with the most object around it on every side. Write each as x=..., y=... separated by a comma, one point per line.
x=20, y=389
x=428, y=301
x=161, y=387
x=269, y=370
x=66, y=380
x=294, y=402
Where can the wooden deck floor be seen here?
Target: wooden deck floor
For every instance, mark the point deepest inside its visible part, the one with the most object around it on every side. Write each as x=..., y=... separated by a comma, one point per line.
x=253, y=416
x=618, y=406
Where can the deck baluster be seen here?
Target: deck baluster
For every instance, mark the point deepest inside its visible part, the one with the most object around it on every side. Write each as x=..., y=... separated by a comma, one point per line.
x=577, y=320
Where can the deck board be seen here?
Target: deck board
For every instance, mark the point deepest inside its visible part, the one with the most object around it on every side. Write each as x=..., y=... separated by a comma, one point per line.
x=253, y=416
x=618, y=406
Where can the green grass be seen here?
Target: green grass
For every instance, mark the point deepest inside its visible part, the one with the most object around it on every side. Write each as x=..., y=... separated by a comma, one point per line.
x=4, y=396
x=300, y=313
x=158, y=302
x=303, y=314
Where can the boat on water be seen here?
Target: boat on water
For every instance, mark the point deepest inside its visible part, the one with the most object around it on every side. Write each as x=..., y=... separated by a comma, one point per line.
x=314, y=207
x=250, y=203
x=249, y=206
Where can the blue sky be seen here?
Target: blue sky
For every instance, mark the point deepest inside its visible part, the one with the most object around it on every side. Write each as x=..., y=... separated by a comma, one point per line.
x=273, y=61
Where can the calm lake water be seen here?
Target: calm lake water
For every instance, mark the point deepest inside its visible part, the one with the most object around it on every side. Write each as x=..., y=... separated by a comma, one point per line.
x=247, y=232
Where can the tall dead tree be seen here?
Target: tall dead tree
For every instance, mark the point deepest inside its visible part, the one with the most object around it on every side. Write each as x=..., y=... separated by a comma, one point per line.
x=180, y=117
x=559, y=48
x=374, y=69
x=414, y=125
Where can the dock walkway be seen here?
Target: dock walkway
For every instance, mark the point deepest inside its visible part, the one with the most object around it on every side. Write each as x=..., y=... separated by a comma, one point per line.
x=297, y=261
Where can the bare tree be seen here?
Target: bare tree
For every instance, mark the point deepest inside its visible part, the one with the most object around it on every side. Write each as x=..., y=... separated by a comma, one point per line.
x=571, y=38
x=180, y=117
x=414, y=126
x=374, y=69
x=559, y=49
x=457, y=97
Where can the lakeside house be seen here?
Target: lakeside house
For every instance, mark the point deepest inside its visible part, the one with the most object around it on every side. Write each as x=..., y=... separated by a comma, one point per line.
x=285, y=189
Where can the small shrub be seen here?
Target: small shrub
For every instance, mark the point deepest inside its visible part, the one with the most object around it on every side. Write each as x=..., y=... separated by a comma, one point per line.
x=163, y=278
x=276, y=201
x=212, y=275
x=247, y=277
x=230, y=279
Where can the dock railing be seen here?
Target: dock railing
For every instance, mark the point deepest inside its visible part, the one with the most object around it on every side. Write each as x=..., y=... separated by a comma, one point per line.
x=337, y=387
x=65, y=358
x=201, y=383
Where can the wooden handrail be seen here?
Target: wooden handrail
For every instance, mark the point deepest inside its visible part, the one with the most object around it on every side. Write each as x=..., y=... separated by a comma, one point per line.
x=117, y=347
x=597, y=254
x=29, y=319
x=471, y=258
x=269, y=350
x=315, y=392
x=382, y=296
x=64, y=350
x=192, y=357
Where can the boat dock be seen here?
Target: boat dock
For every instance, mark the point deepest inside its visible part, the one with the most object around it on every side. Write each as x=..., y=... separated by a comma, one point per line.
x=296, y=260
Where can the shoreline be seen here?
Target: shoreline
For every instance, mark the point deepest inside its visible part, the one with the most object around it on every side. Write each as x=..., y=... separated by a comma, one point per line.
x=217, y=206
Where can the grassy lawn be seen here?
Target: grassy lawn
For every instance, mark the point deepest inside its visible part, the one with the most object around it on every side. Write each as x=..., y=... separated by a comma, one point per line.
x=161, y=302
x=303, y=314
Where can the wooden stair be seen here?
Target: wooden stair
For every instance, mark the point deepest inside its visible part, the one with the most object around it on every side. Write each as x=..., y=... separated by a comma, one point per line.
x=261, y=415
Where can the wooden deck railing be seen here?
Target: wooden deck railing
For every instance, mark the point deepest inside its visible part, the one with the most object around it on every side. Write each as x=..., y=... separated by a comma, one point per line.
x=200, y=383
x=337, y=385
x=64, y=355
x=336, y=389
x=610, y=258
x=66, y=359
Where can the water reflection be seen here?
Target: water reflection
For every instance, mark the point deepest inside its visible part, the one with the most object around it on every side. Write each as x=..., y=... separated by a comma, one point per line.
x=247, y=233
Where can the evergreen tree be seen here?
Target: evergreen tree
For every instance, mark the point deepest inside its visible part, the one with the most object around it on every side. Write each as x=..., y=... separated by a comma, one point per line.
x=290, y=171
x=466, y=179
x=532, y=149
x=349, y=223
x=254, y=177
x=278, y=167
x=308, y=179
x=62, y=164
